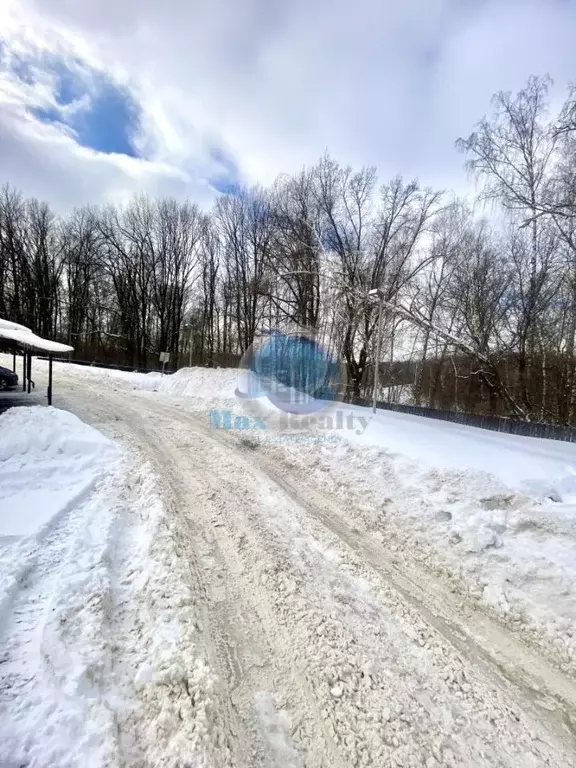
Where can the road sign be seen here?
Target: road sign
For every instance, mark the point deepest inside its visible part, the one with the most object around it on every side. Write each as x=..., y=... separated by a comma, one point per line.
x=164, y=358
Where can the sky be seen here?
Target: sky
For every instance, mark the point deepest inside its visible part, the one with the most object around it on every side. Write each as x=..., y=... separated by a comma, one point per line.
x=103, y=99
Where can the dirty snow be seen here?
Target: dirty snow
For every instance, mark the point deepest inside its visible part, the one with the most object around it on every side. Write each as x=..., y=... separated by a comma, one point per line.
x=494, y=513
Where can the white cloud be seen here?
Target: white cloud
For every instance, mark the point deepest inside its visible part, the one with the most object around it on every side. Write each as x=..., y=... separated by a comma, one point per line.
x=45, y=159
x=46, y=163
x=276, y=83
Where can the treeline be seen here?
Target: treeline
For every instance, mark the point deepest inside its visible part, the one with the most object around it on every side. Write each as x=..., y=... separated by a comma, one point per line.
x=480, y=310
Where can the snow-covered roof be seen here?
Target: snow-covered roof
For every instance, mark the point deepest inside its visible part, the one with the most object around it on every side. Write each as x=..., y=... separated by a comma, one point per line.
x=24, y=337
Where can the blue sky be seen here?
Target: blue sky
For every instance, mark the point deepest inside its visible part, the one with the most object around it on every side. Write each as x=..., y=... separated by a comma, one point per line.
x=107, y=124
x=101, y=114
x=101, y=99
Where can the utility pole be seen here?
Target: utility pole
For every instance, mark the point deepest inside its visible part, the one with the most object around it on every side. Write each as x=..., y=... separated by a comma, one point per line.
x=187, y=327
x=377, y=295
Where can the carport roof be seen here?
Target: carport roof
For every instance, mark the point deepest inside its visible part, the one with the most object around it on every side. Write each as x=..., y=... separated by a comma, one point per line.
x=23, y=337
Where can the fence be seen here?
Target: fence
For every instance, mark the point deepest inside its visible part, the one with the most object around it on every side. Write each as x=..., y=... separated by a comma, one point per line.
x=495, y=423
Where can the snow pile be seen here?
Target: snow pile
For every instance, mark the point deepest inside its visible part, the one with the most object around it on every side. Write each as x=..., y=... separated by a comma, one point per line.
x=209, y=386
x=53, y=542
x=99, y=658
x=49, y=460
x=544, y=468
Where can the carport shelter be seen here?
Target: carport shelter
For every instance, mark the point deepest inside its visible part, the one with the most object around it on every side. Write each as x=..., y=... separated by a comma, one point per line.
x=17, y=338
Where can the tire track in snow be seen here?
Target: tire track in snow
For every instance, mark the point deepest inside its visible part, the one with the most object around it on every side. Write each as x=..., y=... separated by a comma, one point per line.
x=195, y=502
x=461, y=677
x=546, y=691
x=164, y=691
x=474, y=633
x=231, y=641
x=237, y=646
x=470, y=630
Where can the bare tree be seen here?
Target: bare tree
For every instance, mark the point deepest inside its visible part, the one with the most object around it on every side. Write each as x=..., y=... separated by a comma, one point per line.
x=295, y=254
x=245, y=229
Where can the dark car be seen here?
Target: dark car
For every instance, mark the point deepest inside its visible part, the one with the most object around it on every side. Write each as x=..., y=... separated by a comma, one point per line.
x=8, y=379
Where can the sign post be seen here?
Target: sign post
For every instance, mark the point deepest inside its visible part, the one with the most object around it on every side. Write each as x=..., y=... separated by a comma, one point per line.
x=164, y=358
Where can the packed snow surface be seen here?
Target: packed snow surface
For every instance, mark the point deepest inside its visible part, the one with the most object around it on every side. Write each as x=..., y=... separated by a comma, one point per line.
x=255, y=590
x=495, y=511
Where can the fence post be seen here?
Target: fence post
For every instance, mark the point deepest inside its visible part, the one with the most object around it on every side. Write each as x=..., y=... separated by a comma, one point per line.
x=49, y=379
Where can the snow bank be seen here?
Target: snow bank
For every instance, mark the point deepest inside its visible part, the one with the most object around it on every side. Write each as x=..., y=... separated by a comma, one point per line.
x=49, y=460
x=99, y=657
x=210, y=385
x=129, y=379
x=544, y=468
x=207, y=385
x=514, y=552
x=53, y=544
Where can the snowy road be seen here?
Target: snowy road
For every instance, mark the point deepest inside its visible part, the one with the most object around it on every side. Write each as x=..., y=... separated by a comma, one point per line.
x=301, y=640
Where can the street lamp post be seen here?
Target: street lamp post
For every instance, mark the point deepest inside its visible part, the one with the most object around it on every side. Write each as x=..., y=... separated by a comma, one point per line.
x=377, y=295
x=188, y=327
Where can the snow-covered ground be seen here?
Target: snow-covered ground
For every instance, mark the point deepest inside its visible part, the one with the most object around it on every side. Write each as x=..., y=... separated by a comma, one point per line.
x=361, y=591
x=495, y=512
x=54, y=531
x=542, y=468
x=97, y=661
